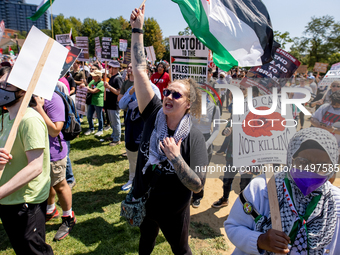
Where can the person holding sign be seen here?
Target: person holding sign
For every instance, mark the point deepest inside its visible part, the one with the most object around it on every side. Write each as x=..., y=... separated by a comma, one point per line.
x=169, y=144
x=25, y=183
x=309, y=204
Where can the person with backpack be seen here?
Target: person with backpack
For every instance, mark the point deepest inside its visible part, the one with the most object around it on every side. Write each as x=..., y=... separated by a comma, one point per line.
x=53, y=112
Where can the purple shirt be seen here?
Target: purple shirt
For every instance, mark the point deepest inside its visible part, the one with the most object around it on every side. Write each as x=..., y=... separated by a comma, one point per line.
x=55, y=110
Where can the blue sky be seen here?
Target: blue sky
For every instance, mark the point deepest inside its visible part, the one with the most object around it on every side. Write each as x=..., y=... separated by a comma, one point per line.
x=286, y=15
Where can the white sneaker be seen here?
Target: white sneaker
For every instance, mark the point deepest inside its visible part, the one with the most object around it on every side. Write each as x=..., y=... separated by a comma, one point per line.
x=127, y=186
x=88, y=132
x=99, y=133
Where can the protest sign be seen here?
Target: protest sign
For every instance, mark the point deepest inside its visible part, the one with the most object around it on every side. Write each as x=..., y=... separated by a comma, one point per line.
x=127, y=57
x=123, y=44
x=189, y=58
x=278, y=70
x=106, y=48
x=320, y=67
x=63, y=39
x=150, y=54
x=83, y=43
x=114, y=51
x=97, y=42
x=99, y=53
x=302, y=69
x=261, y=139
x=72, y=55
x=331, y=75
x=2, y=29
x=335, y=66
x=36, y=70
x=81, y=100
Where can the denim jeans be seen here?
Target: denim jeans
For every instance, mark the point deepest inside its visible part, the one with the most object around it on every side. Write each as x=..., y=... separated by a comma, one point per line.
x=115, y=124
x=90, y=112
x=69, y=172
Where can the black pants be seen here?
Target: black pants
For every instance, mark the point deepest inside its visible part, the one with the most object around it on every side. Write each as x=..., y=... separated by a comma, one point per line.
x=175, y=228
x=25, y=227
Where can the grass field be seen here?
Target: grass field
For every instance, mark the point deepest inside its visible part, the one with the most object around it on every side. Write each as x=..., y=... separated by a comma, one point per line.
x=100, y=171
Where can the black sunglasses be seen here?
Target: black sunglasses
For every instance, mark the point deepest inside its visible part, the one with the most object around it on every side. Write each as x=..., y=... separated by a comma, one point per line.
x=175, y=94
x=335, y=86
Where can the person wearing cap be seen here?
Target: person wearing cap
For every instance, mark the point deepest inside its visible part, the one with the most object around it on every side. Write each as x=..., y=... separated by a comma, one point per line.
x=309, y=204
x=111, y=103
x=312, y=84
x=96, y=88
x=25, y=182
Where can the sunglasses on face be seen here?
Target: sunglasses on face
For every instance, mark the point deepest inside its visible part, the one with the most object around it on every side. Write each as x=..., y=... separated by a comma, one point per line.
x=175, y=94
x=335, y=86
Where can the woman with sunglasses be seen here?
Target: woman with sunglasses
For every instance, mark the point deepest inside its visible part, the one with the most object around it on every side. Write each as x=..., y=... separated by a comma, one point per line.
x=309, y=204
x=171, y=145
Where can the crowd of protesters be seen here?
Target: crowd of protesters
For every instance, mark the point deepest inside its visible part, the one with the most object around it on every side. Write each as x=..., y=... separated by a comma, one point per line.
x=164, y=129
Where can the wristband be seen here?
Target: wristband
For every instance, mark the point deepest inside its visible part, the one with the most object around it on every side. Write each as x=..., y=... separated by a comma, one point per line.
x=137, y=30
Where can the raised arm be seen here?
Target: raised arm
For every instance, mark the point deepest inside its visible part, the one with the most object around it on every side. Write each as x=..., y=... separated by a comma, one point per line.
x=144, y=92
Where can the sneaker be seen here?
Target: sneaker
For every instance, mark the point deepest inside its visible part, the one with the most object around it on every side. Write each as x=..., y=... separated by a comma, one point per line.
x=124, y=154
x=54, y=214
x=71, y=184
x=196, y=203
x=108, y=138
x=222, y=202
x=66, y=227
x=127, y=186
x=99, y=133
x=107, y=128
x=88, y=132
x=114, y=143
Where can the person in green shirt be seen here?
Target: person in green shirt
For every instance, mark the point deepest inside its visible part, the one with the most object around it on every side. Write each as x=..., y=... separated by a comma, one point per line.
x=96, y=88
x=25, y=182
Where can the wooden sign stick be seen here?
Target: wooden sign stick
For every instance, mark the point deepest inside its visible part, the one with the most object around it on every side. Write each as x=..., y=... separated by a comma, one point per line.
x=27, y=97
x=140, y=7
x=105, y=80
x=273, y=201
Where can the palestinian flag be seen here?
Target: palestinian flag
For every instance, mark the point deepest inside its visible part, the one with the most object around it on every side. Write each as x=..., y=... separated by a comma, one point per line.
x=42, y=8
x=239, y=32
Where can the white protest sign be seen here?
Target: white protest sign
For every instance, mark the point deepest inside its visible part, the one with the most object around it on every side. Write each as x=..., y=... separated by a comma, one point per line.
x=99, y=53
x=63, y=39
x=83, y=43
x=336, y=66
x=123, y=44
x=114, y=51
x=258, y=140
x=189, y=58
x=81, y=100
x=331, y=75
x=150, y=54
x=97, y=42
x=106, y=48
x=27, y=62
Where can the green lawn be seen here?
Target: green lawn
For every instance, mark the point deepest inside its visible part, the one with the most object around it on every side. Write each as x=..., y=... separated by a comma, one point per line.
x=100, y=171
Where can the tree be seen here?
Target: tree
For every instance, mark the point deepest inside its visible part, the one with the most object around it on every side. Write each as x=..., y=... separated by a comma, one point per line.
x=282, y=38
x=61, y=25
x=91, y=29
x=153, y=37
x=187, y=31
x=76, y=26
x=166, y=44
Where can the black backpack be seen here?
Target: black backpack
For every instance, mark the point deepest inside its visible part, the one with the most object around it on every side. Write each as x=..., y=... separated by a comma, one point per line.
x=71, y=128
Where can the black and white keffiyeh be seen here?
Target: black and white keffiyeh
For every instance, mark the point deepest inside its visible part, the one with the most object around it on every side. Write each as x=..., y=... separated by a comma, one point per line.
x=321, y=223
x=160, y=132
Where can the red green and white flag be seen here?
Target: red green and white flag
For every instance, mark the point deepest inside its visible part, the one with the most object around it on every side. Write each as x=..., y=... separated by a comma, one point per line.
x=42, y=8
x=239, y=32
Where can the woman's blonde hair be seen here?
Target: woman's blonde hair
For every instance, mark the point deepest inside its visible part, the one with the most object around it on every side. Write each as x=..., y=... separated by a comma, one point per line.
x=194, y=96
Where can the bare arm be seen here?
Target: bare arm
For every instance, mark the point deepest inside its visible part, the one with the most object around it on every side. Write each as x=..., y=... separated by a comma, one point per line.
x=112, y=89
x=144, y=92
x=25, y=175
x=93, y=91
x=330, y=129
x=72, y=90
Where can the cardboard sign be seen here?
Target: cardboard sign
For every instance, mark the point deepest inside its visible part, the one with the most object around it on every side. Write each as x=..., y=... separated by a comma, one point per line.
x=331, y=75
x=302, y=69
x=189, y=58
x=127, y=57
x=123, y=44
x=28, y=60
x=106, y=48
x=150, y=54
x=72, y=56
x=99, y=53
x=81, y=100
x=114, y=51
x=335, y=66
x=82, y=42
x=278, y=70
x=63, y=39
x=320, y=67
x=258, y=140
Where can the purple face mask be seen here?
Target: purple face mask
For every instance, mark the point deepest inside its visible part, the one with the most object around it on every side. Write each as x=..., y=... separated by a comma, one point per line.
x=306, y=181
